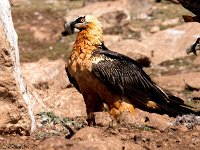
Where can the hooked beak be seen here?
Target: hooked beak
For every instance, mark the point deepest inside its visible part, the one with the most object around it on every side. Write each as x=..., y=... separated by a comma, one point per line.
x=74, y=26
x=69, y=28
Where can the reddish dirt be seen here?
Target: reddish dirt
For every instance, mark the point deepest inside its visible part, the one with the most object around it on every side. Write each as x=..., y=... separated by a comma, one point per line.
x=115, y=136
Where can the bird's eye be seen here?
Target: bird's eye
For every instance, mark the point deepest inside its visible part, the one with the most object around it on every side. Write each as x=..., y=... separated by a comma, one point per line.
x=81, y=19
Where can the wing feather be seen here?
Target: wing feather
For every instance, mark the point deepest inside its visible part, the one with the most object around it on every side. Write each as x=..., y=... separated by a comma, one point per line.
x=125, y=77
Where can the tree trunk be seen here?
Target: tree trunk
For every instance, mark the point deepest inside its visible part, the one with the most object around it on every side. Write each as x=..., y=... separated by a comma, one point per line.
x=16, y=103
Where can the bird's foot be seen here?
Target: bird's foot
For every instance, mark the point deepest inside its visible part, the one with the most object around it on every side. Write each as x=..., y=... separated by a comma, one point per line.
x=120, y=107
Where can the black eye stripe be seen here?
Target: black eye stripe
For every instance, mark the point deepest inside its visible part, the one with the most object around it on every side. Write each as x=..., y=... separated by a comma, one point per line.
x=80, y=19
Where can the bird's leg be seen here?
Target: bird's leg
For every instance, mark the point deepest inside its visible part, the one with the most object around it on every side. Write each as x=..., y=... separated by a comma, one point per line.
x=93, y=103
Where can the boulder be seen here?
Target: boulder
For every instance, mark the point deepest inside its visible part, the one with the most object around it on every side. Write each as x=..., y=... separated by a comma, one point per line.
x=52, y=95
x=113, y=12
x=107, y=143
x=66, y=103
x=129, y=47
x=177, y=82
x=15, y=101
x=140, y=9
x=144, y=118
x=109, y=13
x=171, y=43
x=88, y=133
x=46, y=74
x=159, y=47
x=102, y=119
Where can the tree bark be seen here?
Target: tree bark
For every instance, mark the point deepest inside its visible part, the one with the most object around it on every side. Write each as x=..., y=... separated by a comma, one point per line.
x=16, y=103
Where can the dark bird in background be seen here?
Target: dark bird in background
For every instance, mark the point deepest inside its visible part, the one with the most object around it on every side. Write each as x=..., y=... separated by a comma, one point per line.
x=103, y=76
x=194, y=7
x=194, y=47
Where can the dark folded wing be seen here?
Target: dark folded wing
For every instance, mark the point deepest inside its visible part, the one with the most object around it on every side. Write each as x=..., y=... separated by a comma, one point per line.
x=126, y=78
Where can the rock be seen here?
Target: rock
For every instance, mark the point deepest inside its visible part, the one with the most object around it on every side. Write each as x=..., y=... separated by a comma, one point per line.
x=143, y=118
x=170, y=43
x=106, y=144
x=50, y=78
x=158, y=121
x=182, y=128
x=102, y=119
x=54, y=143
x=140, y=9
x=109, y=143
x=113, y=12
x=88, y=133
x=171, y=22
x=128, y=47
x=108, y=12
x=154, y=29
x=176, y=82
x=46, y=74
x=15, y=103
x=66, y=103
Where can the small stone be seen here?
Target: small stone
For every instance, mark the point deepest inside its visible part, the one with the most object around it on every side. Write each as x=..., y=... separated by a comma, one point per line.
x=182, y=128
x=100, y=119
x=171, y=22
x=88, y=133
x=154, y=29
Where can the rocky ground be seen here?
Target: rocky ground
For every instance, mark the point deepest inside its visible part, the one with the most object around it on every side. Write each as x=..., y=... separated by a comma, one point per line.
x=152, y=33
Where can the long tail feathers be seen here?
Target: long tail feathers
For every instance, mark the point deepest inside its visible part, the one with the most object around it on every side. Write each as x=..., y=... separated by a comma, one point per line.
x=179, y=108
